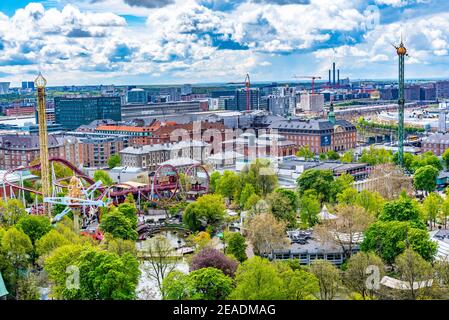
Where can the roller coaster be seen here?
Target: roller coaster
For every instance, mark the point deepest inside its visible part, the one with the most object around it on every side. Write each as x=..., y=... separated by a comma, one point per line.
x=165, y=184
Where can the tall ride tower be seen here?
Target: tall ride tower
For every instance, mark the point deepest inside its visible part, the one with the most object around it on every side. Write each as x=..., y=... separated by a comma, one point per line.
x=40, y=84
x=402, y=52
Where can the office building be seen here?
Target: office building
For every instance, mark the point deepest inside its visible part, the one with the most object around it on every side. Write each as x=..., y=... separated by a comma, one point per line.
x=320, y=135
x=72, y=112
x=137, y=111
x=436, y=143
x=171, y=94
x=282, y=105
x=20, y=150
x=4, y=87
x=96, y=151
x=428, y=93
x=28, y=85
x=312, y=102
x=413, y=93
x=442, y=89
x=152, y=156
x=136, y=96
x=241, y=99
x=186, y=89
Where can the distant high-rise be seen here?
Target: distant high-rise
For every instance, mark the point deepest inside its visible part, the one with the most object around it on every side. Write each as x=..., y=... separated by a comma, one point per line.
x=312, y=102
x=442, y=89
x=240, y=99
x=186, y=89
x=137, y=96
x=72, y=112
x=4, y=87
x=27, y=85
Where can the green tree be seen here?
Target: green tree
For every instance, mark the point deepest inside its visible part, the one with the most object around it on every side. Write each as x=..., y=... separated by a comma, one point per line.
x=300, y=285
x=332, y=155
x=11, y=211
x=106, y=276
x=374, y=156
x=236, y=245
x=425, y=178
x=18, y=247
x=251, y=203
x=207, y=208
x=408, y=161
x=114, y=161
x=328, y=278
x=56, y=267
x=34, y=227
x=348, y=157
x=444, y=212
x=306, y=153
x=310, y=207
x=318, y=180
x=372, y=202
x=431, y=206
x=129, y=210
x=261, y=175
x=176, y=286
x=403, y=209
x=119, y=246
x=389, y=239
x=347, y=196
x=426, y=159
x=104, y=177
x=49, y=242
x=445, y=157
x=228, y=184
x=214, y=178
x=413, y=268
x=192, y=216
x=27, y=287
x=257, y=279
x=358, y=271
x=283, y=205
x=339, y=184
x=210, y=284
x=265, y=233
x=118, y=225
x=247, y=192
x=15, y=256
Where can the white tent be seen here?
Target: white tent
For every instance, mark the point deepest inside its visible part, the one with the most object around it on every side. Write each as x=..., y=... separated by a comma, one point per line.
x=326, y=215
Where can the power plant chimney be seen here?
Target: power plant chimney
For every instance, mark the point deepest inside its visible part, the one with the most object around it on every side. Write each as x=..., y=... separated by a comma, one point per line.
x=330, y=77
x=338, y=73
x=333, y=68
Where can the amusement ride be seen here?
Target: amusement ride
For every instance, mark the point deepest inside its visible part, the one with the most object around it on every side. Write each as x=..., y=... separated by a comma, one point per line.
x=84, y=196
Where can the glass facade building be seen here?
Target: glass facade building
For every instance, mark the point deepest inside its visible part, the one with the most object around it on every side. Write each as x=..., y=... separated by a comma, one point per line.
x=72, y=112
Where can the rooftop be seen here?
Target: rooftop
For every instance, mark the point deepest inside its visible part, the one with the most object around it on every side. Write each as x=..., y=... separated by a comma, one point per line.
x=321, y=124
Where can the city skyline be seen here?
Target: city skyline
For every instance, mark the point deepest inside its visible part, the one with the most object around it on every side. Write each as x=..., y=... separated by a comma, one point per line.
x=203, y=41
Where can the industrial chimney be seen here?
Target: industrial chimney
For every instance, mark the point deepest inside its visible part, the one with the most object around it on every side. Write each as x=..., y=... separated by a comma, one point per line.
x=333, y=68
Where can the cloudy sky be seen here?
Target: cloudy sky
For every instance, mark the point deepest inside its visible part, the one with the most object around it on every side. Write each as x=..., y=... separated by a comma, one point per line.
x=200, y=41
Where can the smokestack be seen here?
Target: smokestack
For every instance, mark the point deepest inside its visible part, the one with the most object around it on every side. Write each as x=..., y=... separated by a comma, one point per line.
x=333, y=68
x=338, y=73
x=330, y=77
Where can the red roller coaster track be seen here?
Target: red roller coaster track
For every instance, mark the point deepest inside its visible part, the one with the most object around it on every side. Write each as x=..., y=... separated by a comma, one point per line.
x=158, y=188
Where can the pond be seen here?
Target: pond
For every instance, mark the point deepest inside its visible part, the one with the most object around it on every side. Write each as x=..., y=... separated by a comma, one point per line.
x=147, y=288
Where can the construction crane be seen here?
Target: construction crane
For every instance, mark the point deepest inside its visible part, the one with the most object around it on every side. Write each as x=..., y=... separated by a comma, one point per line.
x=40, y=83
x=247, y=84
x=308, y=77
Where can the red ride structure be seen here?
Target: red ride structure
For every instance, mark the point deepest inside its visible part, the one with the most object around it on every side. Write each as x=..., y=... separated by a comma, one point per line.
x=164, y=183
